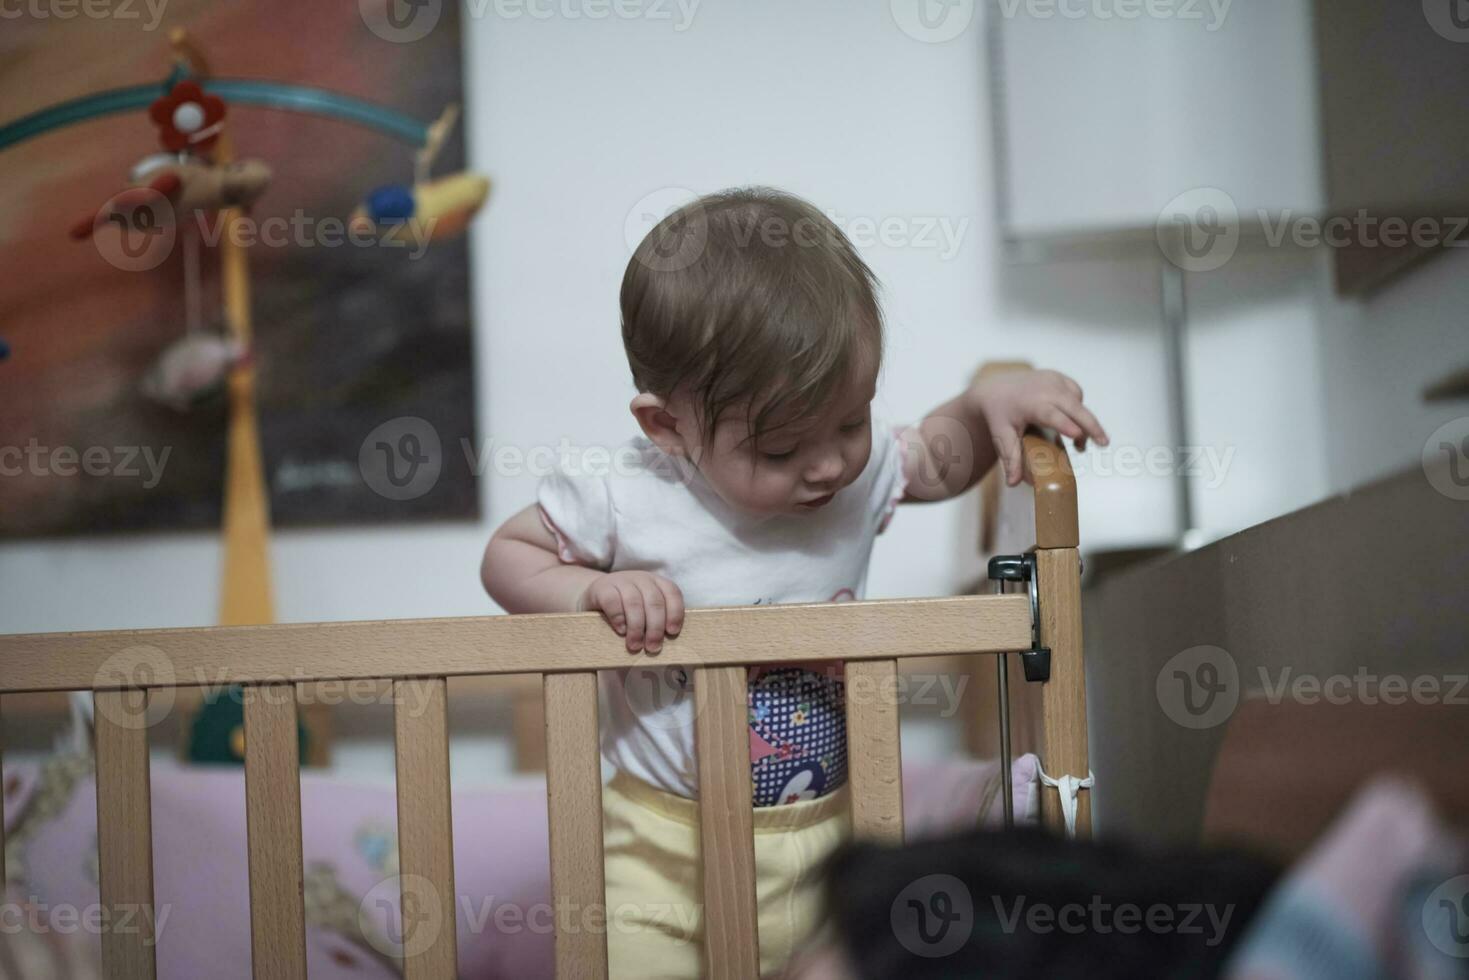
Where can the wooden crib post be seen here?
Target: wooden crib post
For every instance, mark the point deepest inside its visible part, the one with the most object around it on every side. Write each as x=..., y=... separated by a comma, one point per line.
x=874, y=753
x=124, y=834
x=273, y=831
x=726, y=823
x=574, y=802
x=427, y=900
x=1058, y=567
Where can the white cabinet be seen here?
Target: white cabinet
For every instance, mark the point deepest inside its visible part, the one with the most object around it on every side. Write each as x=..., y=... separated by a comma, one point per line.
x=1103, y=118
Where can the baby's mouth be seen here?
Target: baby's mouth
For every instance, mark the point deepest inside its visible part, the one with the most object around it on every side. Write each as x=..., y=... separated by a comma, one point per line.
x=818, y=502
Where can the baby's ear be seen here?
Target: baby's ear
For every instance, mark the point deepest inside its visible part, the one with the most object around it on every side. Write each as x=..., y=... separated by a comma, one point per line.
x=658, y=423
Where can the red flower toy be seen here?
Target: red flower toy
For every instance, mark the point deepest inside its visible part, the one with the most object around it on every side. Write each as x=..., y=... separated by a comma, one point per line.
x=188, y=119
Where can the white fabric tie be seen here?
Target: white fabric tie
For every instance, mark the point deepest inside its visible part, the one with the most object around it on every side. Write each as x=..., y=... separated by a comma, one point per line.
x=1069, y=787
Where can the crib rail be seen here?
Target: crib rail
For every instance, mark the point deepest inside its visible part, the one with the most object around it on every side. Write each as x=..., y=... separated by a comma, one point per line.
x=541, y=643
x=417, y=656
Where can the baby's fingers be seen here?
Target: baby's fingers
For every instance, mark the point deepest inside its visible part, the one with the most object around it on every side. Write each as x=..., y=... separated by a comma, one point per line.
x=655, y=608
x=1007, y=445
x=632, y=603
x=1057, y=419
x=674, y=597
x=609, y=602
x=1087, y=421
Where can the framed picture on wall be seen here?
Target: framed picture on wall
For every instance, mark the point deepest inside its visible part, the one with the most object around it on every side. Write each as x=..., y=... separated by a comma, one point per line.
x=357, y=343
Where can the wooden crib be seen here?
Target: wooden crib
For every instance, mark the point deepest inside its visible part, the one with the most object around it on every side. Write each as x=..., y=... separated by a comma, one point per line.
x=125, y=668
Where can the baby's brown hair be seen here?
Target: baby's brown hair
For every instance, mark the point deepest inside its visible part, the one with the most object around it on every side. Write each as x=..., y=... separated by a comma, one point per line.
x=750, y=296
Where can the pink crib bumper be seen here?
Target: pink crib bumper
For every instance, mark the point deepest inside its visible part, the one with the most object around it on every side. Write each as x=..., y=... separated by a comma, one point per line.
x=201, y=890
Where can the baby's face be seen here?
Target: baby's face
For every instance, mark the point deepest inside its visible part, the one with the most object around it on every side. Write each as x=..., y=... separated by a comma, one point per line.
x=796, y=470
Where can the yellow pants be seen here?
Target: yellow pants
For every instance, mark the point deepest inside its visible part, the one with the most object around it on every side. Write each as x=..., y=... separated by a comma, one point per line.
x=655, y=913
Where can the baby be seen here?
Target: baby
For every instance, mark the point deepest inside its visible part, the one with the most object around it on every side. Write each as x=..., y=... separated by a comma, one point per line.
x=754, y=336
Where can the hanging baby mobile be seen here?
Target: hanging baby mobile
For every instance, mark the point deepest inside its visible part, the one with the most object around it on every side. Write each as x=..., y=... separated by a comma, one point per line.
x=171, y=196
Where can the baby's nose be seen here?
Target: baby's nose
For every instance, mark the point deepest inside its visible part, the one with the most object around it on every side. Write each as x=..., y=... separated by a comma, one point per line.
x=826, y=470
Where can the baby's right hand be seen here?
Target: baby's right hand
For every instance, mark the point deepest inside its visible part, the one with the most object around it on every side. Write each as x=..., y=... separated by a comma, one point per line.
x=639, y=605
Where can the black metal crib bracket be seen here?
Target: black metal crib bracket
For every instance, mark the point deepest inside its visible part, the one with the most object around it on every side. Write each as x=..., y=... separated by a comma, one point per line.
x=1022, y=568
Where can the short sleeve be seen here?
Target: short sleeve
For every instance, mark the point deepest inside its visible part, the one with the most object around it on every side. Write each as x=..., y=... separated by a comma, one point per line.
x=578, y=511
x=892, y=473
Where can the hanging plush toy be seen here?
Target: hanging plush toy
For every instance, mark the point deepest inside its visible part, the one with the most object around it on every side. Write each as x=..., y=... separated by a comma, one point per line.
x=187, y=187
x=192, y=368
x=425, y=212
x=430, y=209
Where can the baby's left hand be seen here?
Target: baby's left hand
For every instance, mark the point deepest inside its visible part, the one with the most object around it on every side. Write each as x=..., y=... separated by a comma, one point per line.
x=1011, y=401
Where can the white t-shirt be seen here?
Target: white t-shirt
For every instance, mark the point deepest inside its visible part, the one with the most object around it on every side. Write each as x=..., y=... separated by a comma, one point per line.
x=645, y=510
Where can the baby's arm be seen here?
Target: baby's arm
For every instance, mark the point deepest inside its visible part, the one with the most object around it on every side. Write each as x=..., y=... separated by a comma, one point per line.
x=523, y=573
x=958, y=442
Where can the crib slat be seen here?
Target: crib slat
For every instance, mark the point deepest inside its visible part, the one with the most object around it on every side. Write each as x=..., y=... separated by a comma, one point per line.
x=874, y=751
x=273, y=828
x=574, y=802
x=726, y=823
x=124, y=834
x=425, y=831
